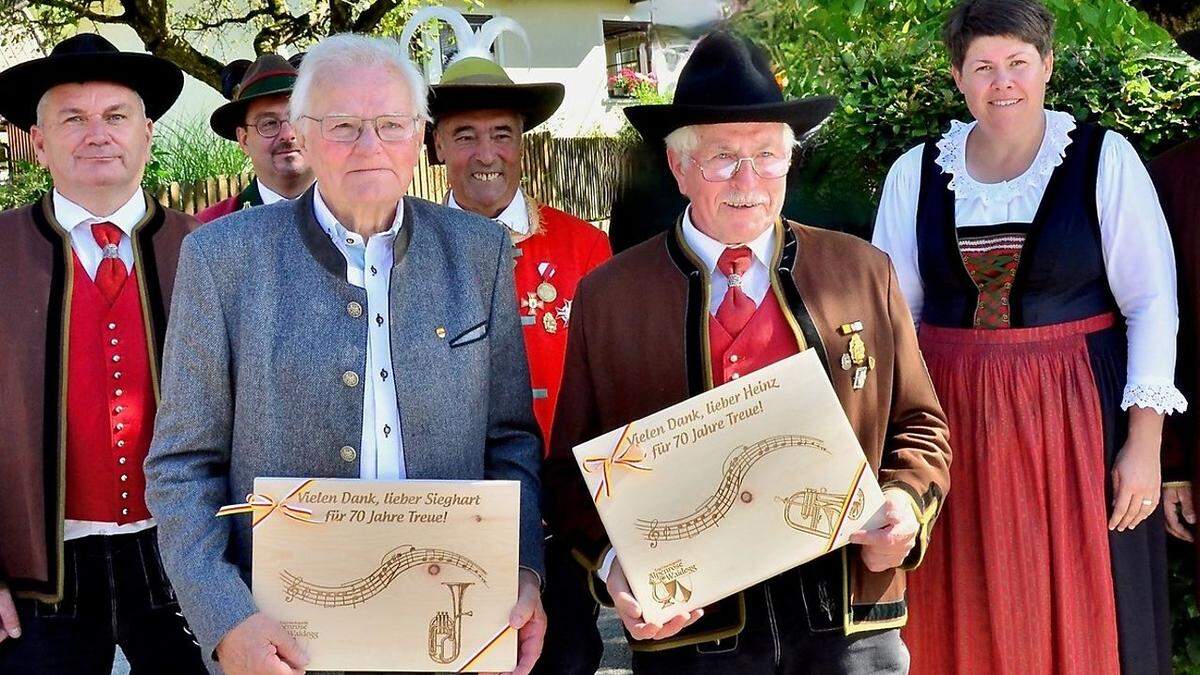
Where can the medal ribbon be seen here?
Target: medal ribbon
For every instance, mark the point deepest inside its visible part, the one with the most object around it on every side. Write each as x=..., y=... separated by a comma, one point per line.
x=630, y=458
x=264, y=505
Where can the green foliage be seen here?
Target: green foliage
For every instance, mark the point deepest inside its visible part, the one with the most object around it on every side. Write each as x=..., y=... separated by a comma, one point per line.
x=187, y=151
x=885, y=60
x=1185, y=616
x=27, y=182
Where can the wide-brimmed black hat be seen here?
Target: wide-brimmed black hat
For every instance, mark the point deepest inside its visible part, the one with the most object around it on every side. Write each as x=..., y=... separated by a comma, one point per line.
x=1190, y=43
x=269, y=75
x=727, y=79
x=87, y=57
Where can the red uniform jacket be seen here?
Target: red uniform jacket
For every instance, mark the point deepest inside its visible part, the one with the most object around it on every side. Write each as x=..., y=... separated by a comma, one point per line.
x=554, y=259
x=243, y=200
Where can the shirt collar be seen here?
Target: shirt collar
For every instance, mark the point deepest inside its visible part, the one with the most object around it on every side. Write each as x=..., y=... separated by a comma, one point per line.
x=268, y=195
x=71, y=215
x=515, y=216
x=709, y=249
x=342, y=236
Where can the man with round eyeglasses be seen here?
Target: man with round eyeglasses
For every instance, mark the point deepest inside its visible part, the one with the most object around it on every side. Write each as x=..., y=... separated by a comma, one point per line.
x=256, y=116
x=358, y=333
x=731, y=288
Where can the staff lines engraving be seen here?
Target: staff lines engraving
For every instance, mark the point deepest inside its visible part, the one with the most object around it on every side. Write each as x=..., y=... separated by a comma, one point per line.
x=716, y=507
x=393, y=564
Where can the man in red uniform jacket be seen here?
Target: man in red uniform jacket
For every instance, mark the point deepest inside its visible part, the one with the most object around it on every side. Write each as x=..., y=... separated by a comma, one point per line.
x=87, y=277
x=479, y=116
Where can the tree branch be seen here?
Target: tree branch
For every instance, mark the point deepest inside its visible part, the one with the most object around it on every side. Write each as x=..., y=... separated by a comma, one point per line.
x=81, y=10
x=370, y=17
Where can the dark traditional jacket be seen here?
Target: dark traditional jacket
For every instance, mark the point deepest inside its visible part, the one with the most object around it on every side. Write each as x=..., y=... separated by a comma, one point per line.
x=1174, y=175
x=242, y=200
x=639, y=343
x=37, y=279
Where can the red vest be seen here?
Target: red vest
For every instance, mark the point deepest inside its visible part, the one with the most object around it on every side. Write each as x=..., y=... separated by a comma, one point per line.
x=767, y=338
x=110, y=404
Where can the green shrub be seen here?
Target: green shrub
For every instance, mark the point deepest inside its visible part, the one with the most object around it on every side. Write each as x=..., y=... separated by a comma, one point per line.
x=187, y=150
x=27, y=182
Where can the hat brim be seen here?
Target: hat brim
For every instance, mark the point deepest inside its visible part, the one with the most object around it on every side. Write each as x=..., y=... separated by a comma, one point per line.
x=655, y=122
x=157, y=81
x=226, y=119
x=536, y=103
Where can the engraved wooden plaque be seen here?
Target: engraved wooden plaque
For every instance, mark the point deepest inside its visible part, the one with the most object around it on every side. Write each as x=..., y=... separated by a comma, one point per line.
x=390, y=575
x=732, y=487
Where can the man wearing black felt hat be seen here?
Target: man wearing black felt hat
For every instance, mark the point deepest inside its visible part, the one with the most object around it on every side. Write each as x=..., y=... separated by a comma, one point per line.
x=256, y=116
x=730, y=288
x=87, y=275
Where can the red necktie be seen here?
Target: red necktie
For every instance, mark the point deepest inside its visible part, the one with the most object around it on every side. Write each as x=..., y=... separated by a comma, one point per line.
x=737, y=307
x=111, y=274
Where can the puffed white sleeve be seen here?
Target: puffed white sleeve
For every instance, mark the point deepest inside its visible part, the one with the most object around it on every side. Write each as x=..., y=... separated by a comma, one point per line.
x=1141, y=273
x=896, y=226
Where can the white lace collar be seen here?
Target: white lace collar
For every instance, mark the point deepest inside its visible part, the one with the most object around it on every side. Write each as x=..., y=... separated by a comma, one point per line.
x=952, y=158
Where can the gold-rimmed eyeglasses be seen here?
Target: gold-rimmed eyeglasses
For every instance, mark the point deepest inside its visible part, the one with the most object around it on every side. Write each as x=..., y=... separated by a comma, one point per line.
x=724, y=166
x=349, y=128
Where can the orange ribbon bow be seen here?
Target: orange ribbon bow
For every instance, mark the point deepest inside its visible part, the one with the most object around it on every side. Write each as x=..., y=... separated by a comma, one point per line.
x=629, y=458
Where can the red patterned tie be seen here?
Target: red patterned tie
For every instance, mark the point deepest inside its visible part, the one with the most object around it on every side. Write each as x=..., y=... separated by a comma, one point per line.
x=111, y=274
x=737, y=307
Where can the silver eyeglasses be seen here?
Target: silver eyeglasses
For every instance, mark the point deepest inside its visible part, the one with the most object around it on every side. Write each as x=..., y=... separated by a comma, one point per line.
x=724, y=167
x=348, y=128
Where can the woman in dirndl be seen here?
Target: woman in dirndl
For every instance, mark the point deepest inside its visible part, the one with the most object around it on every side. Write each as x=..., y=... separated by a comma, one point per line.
x=1035, y=257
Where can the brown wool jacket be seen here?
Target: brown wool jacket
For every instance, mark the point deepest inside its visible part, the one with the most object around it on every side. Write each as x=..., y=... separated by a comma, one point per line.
x=638, y=343
x=37, y=279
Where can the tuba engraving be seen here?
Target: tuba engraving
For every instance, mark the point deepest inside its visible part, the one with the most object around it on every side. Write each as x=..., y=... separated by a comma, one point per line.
x=445, y=628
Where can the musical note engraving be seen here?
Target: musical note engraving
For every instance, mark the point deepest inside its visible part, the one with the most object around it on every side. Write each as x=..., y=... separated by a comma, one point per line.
x=355, y=592
x=713, y=509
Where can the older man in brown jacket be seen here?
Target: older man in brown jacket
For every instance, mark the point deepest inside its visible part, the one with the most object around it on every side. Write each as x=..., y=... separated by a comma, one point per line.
x=729, y=289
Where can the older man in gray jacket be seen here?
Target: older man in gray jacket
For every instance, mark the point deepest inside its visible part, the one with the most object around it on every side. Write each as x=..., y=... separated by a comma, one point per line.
x=352, y=333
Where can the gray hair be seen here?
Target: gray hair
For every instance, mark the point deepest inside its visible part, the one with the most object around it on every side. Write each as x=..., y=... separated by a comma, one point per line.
x=347, y=51
x=41, y=106
x=685, y=140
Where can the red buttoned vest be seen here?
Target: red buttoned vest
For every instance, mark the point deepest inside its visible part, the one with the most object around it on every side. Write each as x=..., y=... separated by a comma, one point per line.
x=110, y=404
x=765, y=339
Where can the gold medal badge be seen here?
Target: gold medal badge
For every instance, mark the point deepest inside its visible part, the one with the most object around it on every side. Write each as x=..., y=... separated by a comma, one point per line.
x=856, y=356
x=546, y=292
x=549, y=323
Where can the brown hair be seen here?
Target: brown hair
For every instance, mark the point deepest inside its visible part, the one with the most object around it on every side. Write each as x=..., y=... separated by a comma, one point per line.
x=1026, y=20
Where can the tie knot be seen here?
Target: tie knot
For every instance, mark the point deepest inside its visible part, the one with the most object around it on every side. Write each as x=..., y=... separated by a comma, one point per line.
x=734, y=261
x=106, y=235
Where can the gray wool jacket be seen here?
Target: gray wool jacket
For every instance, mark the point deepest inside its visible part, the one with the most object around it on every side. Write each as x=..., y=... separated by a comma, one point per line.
x=261, y=334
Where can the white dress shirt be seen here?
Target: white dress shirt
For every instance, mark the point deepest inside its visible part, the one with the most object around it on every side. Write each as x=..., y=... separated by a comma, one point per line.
x=369, y=266
x=755, y=284
x=268, y=195
x=1138, y=257
x=515, y=216
x=77, y=221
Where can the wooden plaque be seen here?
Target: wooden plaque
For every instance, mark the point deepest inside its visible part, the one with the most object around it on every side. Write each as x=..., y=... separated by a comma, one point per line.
x=390, y=575
x=732, y=487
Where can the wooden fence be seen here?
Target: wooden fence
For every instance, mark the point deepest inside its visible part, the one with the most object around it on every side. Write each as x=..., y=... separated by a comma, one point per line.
x=577, y=175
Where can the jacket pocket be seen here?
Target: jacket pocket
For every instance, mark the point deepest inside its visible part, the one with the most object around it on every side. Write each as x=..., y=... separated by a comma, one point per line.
x=475, y=333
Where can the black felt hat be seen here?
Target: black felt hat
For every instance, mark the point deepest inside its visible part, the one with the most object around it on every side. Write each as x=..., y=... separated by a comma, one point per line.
x=727, y=79
x=88, y=57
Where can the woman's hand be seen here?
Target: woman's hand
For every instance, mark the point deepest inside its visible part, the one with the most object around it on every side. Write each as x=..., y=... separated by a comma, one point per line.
x=1137, y=473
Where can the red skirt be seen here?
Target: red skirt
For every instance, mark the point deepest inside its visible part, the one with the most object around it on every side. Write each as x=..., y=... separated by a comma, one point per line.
x=1017, y=578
